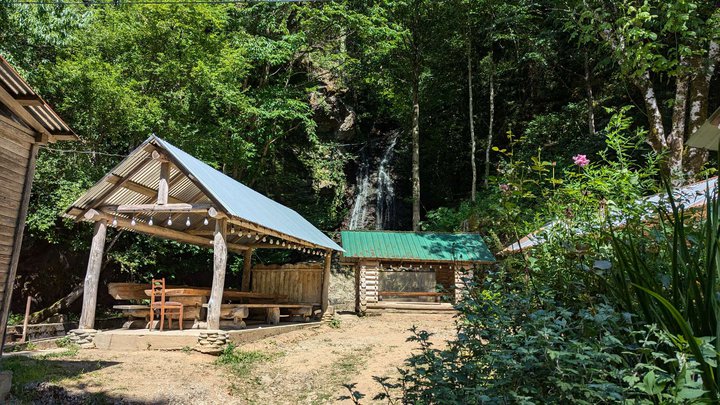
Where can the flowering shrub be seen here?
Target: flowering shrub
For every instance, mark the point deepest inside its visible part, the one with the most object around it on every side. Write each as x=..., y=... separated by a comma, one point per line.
x=581, y=160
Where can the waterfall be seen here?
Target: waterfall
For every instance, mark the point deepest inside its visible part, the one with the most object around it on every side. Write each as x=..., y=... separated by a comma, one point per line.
x=359, y=210
x=374, y=190
x=385, y=208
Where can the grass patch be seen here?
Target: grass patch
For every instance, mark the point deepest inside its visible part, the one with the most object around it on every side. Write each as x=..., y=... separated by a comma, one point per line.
x=348, y=363
x=43, y=368
x=241, y=362
x=335, y=323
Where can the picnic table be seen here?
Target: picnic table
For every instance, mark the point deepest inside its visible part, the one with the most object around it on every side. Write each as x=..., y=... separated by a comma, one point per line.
x=192, y=299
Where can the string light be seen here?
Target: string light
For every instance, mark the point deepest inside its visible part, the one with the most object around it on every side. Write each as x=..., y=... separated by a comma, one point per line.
x=187, y=222
x=114, y=221
x=257, y=237
x=264, y=238
x=150, y=222
x=132, y=222
x=205, y=221
x=169, y=221
x=283, y=243
x=232, y=229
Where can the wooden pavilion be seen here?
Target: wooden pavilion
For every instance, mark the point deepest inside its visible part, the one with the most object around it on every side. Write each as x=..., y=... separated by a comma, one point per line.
x=162, y=191
x=26, y=123
x=412, y=270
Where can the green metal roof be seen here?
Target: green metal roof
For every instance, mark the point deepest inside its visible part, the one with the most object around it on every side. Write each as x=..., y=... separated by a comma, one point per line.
x=423, y=246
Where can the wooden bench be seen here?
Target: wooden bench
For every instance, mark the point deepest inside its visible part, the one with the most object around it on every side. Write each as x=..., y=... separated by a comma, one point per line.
x=133, y=312
x=413, y=294
x=238, y=312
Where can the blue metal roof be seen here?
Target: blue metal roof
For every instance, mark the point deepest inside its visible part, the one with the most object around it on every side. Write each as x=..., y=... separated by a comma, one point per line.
x=243, y=202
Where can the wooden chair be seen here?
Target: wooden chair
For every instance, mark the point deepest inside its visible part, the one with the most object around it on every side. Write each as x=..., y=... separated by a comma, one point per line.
x=166, y=308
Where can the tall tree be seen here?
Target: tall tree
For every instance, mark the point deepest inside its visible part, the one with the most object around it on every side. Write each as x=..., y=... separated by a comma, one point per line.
x=654, y=42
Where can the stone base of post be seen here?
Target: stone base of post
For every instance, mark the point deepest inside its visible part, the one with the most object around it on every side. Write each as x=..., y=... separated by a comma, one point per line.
x=83, y=337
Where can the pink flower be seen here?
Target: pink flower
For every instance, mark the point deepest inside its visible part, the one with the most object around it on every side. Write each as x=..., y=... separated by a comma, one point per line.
x=504, y=188
x=581, y=160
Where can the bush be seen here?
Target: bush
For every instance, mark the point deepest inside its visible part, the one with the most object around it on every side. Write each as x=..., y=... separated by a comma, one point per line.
x=519, y=347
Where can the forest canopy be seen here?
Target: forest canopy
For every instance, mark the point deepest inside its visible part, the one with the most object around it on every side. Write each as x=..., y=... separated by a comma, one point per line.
x=291, y=98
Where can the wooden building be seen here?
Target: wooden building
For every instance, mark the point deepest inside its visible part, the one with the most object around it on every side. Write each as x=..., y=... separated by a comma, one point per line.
x=26, y=123
x=162, y=191
x=412, y=270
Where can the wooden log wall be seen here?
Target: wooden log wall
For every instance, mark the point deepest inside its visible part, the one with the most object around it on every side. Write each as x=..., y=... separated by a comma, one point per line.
x=301, y=282
x=17, y=164
x=368, y=284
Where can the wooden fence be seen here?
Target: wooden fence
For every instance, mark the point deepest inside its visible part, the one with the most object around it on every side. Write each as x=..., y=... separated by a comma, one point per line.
x=301, y=282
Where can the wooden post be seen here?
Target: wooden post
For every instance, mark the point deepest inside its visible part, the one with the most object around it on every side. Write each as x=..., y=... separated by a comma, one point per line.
x=92, y=276
x=247, y=268
x=326, y=281
x=163, y=187
x=27, y=318
x=218, y=284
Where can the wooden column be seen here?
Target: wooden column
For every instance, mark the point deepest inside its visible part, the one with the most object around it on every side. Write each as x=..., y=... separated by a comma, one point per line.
x=326, y=281
x=163, y=186
x=247, y=268
x=92, y=276
x=218, y=284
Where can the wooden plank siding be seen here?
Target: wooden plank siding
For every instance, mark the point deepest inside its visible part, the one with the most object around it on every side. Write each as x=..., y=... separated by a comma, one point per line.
x=16, y=163
x=301, y=283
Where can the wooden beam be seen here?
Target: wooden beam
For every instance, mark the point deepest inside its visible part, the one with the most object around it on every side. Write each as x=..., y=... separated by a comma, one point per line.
x=114, y=187
x=140, y=189
x=174, y=207
x=218, y=283
x=9, y=101
x=29, y=100
x=247, y=268
x=163, y=186
x=326, y=282
x=159, y=231
x=92, y=276
x=272, y=233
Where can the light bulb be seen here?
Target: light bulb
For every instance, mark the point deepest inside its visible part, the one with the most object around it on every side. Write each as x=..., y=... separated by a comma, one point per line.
x=114, y=221
x=150, y=222
x=187, y=222
x=169, y=221
x=249, y=235
x=264, y=239
x=283, y=243
x=257, y=237
x=132, y=222
x=205, y=221
x=232, y=229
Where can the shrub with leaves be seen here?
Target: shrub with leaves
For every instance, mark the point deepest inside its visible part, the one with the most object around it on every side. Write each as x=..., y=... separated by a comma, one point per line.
x=516, y=346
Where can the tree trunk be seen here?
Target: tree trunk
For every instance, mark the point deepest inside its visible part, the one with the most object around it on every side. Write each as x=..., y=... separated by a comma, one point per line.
x=699, y=92
x=676, y=136
x=488, y=147
x=590, y=98
x=473, y=187
x=416, y=149
x=656, y=133
x=59, y=306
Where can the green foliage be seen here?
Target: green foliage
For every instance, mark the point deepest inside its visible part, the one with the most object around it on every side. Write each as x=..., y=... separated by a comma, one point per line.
x=509, y=335
x=672, y=278
x=335, y=323
x=240, y=362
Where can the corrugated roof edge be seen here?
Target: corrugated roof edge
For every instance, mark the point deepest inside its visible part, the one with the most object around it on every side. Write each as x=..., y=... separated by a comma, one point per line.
x=475, y=234
x=328, y=243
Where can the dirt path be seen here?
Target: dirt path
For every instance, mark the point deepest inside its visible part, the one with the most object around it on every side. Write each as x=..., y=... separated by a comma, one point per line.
x=302, y=367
